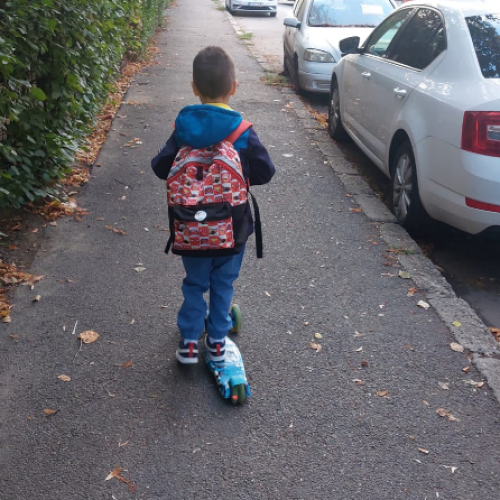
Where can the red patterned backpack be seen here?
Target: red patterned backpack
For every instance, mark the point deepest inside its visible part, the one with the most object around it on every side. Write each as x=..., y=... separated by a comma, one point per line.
x=207, y=196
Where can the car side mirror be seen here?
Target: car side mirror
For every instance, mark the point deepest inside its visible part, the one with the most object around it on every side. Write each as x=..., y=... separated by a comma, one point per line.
x=291, y=22
x=349, y=45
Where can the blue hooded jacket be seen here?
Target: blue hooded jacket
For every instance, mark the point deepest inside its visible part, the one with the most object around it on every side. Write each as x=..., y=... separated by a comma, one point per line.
x=203, y=125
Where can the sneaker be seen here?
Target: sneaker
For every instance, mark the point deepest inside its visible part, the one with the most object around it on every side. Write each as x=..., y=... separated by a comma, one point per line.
x=216, y=350
x=187, y=352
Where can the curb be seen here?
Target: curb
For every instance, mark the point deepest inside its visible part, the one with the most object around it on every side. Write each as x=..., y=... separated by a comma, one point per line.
x=457, y=315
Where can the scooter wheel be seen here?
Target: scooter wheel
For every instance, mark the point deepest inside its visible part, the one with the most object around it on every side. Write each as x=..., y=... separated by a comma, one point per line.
x=238, y=394
x=235, y=314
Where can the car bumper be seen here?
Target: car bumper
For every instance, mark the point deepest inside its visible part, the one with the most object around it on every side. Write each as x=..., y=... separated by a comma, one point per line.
x=245, y=7
x=316, y=77
x=452, y=179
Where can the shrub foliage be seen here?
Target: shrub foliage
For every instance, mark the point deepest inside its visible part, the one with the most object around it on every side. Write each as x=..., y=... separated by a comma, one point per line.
x=57, y=61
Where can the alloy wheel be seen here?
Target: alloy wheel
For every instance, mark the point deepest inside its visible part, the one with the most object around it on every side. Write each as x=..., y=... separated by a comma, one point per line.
x=403, y=187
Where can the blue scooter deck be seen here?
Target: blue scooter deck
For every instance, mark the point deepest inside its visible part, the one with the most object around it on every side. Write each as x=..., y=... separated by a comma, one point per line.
x=230, y=372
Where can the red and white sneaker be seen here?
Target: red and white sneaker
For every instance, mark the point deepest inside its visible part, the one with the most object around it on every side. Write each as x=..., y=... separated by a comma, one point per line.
x=216, y=349
x=187, y=352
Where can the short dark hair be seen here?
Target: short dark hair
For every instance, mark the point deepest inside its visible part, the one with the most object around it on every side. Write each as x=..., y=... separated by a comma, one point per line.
x=213, y=72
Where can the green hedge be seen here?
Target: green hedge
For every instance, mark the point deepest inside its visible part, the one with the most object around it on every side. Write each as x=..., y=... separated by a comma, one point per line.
x=57, y=61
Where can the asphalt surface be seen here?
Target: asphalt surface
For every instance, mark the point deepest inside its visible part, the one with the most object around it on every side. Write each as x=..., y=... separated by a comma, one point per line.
x=355, y=420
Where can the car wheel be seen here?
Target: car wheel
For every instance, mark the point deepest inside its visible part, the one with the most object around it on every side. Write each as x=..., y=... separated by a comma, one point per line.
x=229, y=7
x=335, y=127
x=273, y=14
x=405, y=198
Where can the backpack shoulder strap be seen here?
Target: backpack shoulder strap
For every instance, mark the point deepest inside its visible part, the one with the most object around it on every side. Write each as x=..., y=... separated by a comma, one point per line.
x=238, y=131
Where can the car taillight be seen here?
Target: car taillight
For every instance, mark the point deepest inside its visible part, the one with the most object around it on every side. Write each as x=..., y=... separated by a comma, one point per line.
x=481, y=132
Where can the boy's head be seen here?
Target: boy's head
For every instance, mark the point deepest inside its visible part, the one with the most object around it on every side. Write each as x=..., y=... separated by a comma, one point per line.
x=213, y=75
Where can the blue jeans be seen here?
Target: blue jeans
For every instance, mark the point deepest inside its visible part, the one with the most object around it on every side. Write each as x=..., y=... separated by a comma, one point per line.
x=216, y=274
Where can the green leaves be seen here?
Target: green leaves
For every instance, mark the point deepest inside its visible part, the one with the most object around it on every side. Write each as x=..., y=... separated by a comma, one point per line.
x=57, y=59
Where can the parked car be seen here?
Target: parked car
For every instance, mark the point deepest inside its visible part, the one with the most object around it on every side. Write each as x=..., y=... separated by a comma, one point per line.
x=421, y=97
x=311, y=38
x=264, y=6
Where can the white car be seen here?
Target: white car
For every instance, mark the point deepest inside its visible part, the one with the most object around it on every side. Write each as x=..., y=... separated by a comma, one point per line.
x=311, y=38
x=421, y=97
x=236, y=6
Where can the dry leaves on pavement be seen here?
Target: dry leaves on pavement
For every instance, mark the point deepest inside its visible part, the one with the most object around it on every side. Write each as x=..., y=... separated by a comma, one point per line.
x=88, y=337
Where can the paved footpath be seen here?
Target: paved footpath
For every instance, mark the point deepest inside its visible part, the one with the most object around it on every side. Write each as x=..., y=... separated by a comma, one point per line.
x=356, y=419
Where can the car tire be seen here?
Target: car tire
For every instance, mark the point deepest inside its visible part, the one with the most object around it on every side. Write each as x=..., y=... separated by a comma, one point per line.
x=335, y=128
x=273, y=14
x=406, y=204
x=229, y=7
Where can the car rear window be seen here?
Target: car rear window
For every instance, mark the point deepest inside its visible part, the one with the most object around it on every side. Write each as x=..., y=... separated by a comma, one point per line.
x=485, y=33
x=344, y=13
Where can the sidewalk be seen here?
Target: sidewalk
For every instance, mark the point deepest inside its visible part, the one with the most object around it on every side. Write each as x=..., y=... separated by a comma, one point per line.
x=356, y=415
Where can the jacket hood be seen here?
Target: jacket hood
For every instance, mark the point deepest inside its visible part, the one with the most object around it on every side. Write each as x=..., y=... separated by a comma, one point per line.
x=202, y=125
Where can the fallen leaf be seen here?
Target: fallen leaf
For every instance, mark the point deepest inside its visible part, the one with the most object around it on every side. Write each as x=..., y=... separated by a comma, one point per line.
x=268, y=294
x=423, y=450
x=409, y=347
x=316, y=347
x=451, y=467
x=412, y=291
x=359, y=349
x=404, y=275
x=48, y=412
x=444, y=385
x=457, y=347
x=423, y=304
x=6, y=319
x=358, y=381
x=64, y=378
x=37, y=298
x=139, y=269
x=128, y=364
x=132, y=321
x=114, y=474
x=382, y=394
x=446, y=414
x=466, y=369
x=356, y=210
x=13, y=247
x=426, y=403
x=88, y=337
x=456, y=323
x=474, y=384
x=365, y=363
x=318, y=336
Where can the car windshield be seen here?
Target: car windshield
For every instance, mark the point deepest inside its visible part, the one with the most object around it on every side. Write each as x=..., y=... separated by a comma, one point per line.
x=485, y=33
x=348, y=13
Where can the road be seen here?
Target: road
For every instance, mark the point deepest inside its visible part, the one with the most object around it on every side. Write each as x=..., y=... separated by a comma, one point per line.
x=470, y=264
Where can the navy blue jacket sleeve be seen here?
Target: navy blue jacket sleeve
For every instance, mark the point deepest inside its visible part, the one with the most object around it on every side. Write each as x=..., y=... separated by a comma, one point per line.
x=256, y=162
x=162, y=162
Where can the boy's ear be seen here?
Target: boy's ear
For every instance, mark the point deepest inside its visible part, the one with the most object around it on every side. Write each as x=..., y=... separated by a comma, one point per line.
x=195, y=89
x=233, y=87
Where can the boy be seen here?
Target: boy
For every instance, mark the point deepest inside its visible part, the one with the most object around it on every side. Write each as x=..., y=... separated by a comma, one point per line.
x=201, y=126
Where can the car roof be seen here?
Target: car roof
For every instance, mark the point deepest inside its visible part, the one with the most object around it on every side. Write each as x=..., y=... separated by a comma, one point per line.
x=466, y=7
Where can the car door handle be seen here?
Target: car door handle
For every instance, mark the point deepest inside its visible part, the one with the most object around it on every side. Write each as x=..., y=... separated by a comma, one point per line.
x=401, y=93
x=366, y=75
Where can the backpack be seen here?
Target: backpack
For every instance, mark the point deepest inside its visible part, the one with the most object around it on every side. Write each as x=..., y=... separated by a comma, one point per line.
x=207, y=196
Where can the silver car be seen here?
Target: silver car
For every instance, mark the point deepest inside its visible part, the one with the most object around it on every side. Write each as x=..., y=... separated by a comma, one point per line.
x=312, y=36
